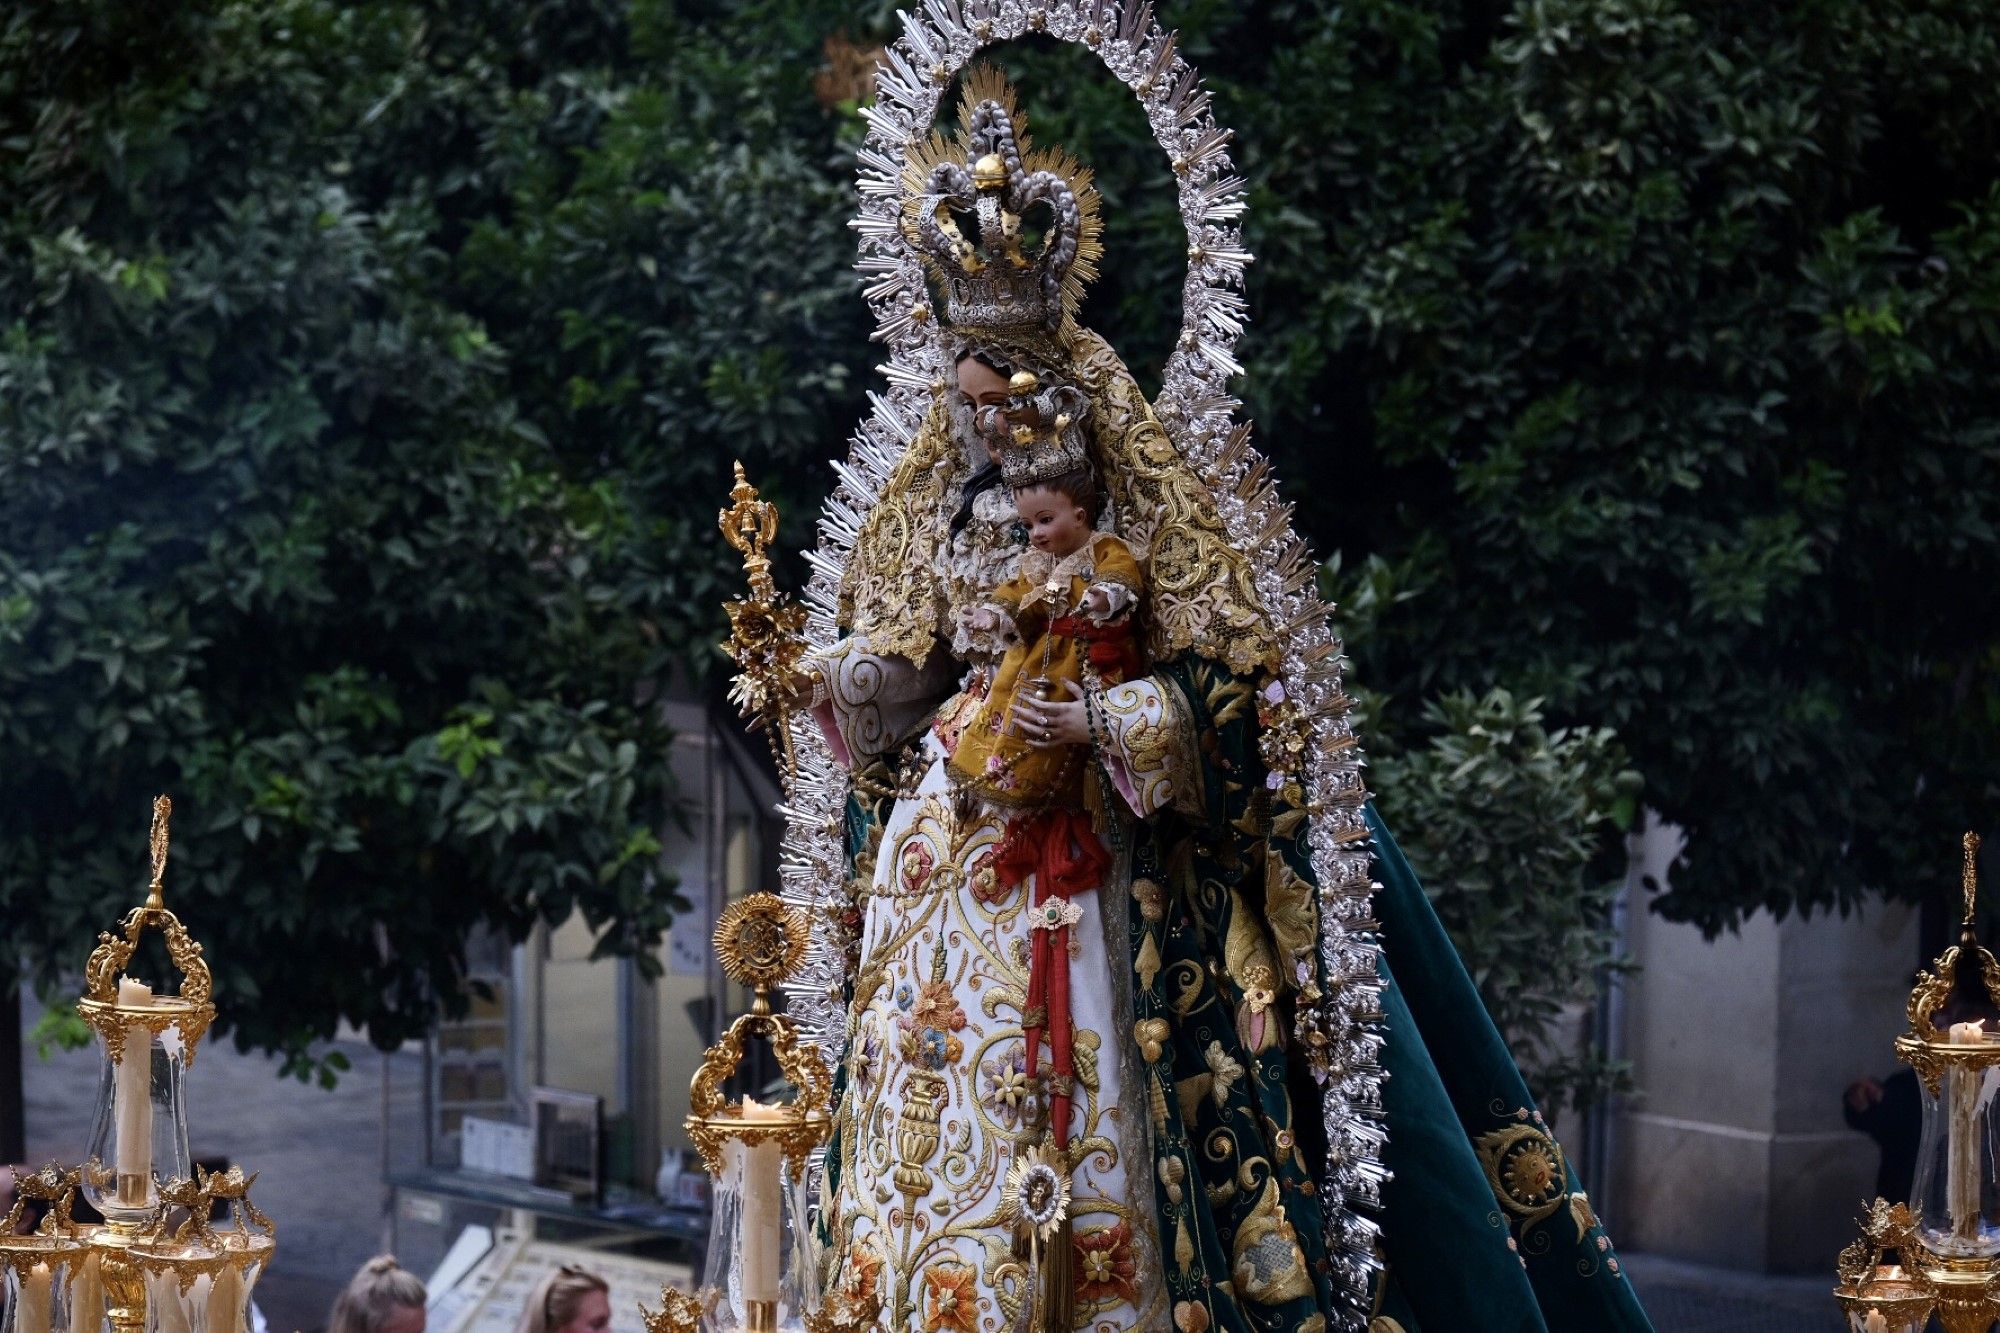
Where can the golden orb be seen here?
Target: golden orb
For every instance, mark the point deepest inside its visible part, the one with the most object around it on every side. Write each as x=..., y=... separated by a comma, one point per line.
x=989, y=172
x=1023, y=381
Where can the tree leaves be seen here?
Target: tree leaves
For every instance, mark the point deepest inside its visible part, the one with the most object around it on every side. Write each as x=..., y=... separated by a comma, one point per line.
x=369, y=385
x=370, y=374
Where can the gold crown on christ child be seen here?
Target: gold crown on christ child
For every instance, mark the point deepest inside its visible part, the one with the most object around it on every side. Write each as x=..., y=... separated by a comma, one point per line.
x=966, y=200
x=1045, y=435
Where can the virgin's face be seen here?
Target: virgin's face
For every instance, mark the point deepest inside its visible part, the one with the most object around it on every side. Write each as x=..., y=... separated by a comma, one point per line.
x=982, y=385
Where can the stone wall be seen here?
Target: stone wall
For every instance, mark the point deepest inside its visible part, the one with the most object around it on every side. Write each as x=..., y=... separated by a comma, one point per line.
x=1735, y=1152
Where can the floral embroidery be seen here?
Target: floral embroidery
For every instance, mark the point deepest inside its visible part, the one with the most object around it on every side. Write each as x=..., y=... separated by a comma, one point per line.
x=986, y=885
x=917, y=863
x=950, y=1298
x=1268, y=1265
x=1009, y=1093
x=937, y=1007
x=1226, y=1068
x=1191, y=1317
x=864, y=1269
x=1105, y=1269
x=1152, y=899
x=931, y=1026
x=863, y=1058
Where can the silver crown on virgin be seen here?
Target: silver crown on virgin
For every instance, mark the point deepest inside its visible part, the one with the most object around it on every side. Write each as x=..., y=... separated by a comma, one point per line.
x=1045, y=436
x=968, y=199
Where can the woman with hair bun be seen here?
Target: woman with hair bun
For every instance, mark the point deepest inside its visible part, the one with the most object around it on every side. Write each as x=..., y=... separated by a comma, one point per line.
x=383, y=1297
x=569, y=1300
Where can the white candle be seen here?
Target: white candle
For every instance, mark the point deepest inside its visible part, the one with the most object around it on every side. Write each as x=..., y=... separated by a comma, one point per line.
x=1876, y=1323
x=1966, y=1096
x=86, y=1298
x=135, y=1098
x=758, y=1172
x=168, y=1306
x=33, y=1314
x=225, y=1301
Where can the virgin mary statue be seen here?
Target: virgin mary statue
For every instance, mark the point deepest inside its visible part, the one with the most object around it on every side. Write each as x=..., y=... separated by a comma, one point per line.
x=1177, y=1044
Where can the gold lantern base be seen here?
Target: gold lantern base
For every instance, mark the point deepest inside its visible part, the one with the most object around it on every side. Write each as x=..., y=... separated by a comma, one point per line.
x=124, y=1284
x=1905, y=1300
x=1964, y=1293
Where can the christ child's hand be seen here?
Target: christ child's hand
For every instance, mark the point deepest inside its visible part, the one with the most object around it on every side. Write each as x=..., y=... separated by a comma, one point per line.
x=1099, y=603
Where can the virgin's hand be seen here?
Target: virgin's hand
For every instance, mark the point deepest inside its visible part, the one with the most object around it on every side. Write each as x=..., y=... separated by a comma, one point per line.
x=1050, y=722
x=794, y=692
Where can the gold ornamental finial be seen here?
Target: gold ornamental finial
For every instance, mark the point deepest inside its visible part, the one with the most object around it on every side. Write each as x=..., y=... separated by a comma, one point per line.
x=163, y=812
x=750, y=524
x=1928, y=1047
x=1969, y=876
x=194, y=1007
x=766, y=629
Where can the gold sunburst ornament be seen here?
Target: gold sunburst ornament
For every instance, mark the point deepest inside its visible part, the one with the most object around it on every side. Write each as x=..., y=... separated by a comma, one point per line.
x=1036, y=1193
x=759, y=940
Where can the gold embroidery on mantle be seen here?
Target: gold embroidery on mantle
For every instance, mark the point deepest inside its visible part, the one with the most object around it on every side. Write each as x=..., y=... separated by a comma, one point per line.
x=1524, y=1167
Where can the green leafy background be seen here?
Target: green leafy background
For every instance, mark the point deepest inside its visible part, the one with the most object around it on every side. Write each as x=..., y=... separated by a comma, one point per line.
x=370, y=375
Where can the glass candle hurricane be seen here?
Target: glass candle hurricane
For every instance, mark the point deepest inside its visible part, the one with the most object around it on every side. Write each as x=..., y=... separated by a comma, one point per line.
x=139, y=1136
x=201, y=1286
x=760, y=1276
x=35, y=1277
x=1955, y=1196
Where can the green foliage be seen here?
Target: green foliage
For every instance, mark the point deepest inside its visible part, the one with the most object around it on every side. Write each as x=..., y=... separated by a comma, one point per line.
x=370, y=373
x=1506, y=822
x=368, y=383
x=1646, y=347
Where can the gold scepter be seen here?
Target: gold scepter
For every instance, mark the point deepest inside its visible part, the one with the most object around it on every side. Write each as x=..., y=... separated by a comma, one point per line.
x=766, y=628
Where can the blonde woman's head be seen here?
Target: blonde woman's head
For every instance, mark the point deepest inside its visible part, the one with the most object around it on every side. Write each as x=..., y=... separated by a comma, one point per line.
x=384, y=1297
x=569, y=1300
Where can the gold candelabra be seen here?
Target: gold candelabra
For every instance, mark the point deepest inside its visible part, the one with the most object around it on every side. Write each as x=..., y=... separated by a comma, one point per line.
x=754, y=1152
x=1948, y=1237
x=156, y=1261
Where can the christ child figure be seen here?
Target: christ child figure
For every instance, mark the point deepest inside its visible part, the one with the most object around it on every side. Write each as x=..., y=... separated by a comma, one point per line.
x=1067, y=619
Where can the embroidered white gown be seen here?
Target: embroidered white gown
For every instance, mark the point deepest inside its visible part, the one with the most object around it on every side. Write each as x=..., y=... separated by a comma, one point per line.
x=937, y=1096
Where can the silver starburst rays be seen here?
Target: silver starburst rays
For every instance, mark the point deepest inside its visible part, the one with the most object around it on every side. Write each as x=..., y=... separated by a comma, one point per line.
x=939, y=41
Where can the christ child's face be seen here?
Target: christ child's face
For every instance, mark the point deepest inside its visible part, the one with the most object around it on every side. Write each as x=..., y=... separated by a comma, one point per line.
x=1056, y=523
